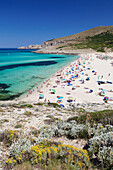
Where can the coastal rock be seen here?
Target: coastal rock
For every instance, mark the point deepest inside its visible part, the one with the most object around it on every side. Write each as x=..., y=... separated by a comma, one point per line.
x=34, y=46
x=23, y=47
x=31, y=47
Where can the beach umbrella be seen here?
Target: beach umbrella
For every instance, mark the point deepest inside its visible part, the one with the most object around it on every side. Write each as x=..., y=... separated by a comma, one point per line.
x=54, y=90
x=41, y=95
x=70, y=98
x=111, y=98
x=68, y=93
x=74, y=86
x=91, y=91
x=106, y=98
x=59, y=101
x=62, y=105
x=69, y=101
x=88, y=78
x=104, y=91
x=30, y=91
x=109, y=82
x=60, y=97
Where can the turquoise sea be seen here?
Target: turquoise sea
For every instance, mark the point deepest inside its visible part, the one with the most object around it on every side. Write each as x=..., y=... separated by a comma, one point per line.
x=20, y=70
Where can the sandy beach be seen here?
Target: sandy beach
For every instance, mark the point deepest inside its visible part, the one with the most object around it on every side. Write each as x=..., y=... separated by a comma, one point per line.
x=77, y=82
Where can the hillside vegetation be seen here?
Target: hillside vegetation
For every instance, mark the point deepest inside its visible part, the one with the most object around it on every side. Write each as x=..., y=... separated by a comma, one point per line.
x=98, y=38
x=97, y=42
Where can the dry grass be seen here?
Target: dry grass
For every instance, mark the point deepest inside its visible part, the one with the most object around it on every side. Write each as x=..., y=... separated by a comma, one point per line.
x=90, y=32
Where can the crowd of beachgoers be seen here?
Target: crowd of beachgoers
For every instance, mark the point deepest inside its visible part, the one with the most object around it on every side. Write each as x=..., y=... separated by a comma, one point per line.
x=89, y=79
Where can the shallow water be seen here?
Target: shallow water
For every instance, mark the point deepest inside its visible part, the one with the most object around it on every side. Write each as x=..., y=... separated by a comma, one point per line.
x=20, y=70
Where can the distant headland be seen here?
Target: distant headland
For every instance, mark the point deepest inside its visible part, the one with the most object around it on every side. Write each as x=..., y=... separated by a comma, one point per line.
x=30, y=47
x=98, y=39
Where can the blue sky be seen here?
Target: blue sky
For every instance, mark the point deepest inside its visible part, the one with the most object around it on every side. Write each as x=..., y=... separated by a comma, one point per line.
x=24, y=22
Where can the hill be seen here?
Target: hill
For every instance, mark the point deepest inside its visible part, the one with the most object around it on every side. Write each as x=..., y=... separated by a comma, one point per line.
x=98, y=38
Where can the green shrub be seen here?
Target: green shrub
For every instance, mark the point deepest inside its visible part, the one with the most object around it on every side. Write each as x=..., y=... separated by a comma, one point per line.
x=18, y=126
x=4, y=120
x=84, y=134
x=47, y=152
x=96, y=42
x=61, y=47
x=104, y=117
x=28, y=113
x=41, y=104
x=26, y=105
x=102, y=148
x=8, y=137
x=54, y=105
x=1, y=110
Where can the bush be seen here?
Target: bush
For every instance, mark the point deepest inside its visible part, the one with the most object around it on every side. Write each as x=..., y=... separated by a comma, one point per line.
x=8, y=137
x=26, y=105
x=71, y=130
x=99, y=129
x=41, y=104
x=54, y=105
x=1, y=110
x=47, y=152
x=104, y=117
x=96, y=42
x=84, y=134
x=28, y=113
x=102, y=147
x=18, y=126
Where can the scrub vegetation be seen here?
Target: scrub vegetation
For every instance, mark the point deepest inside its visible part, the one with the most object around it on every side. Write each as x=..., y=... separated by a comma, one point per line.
x=97, y=42
x=37, y=148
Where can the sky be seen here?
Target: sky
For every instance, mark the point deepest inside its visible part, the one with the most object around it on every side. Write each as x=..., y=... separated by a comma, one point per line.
x=25, y=22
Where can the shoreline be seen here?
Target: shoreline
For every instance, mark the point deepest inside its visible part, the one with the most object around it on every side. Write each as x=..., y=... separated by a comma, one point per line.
x=23, y=96
x=55, y=52
x=94, y=57
x=46, y=80
x=81, y=93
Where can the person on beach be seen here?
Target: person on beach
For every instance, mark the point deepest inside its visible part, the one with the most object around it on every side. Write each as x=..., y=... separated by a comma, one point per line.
x=45, y=100
x=48, y=101
x=106, y=99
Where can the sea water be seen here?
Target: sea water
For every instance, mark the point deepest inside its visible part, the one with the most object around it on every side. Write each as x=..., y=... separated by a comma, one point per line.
x=21, y=70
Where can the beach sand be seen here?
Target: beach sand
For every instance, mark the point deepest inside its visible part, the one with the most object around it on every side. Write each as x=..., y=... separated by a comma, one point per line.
x=88, y=66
